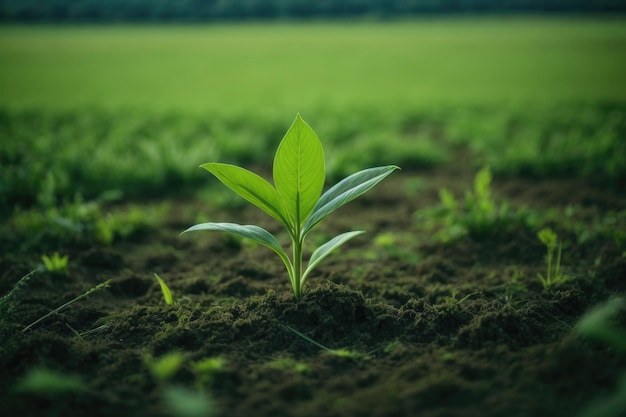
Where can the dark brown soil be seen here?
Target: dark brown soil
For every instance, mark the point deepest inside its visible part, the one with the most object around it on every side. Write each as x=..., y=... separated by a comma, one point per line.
x=462, y=328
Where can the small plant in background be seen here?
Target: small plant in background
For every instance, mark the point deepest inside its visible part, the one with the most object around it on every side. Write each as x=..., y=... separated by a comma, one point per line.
x=43, y=381
x=296, y=200
x=55, y=264
x=290, y=364
x=394, y=246
x=599, y=324
x=165, y=367
x=81, y=222
x=477, y=214
x=183, y=401
x=206, y=370
x=554, y=274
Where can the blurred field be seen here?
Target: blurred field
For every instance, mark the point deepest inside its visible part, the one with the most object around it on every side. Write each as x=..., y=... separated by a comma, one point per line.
x=297, y=67
x=89, y=109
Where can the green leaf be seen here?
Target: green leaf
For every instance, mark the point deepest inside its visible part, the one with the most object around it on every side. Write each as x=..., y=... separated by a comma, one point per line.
x=345, y=191
x=548, y=238
x=167, y=294
x=256, y=233
x=325, y=250
x=251, y=187
x=47, y=381
x=299, y=171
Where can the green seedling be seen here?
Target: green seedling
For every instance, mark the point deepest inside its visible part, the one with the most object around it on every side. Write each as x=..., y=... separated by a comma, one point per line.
x=554, y=274
x=477, y=214
x=47, y=381
x=167, y=294
x=98, y=287
x=290, y=364
x=600, y=324
x=206, y=370
x=182, y=401
x=295, y=200
x=597, y=324
x=185, y=402
x=165, y=367
x=55, y=264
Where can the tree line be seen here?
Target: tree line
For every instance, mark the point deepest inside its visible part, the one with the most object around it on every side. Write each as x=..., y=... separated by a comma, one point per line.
x=208, y=10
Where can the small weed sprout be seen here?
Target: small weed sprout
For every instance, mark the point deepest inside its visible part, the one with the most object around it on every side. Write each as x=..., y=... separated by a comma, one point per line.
x=206, y=370
x=598, y=324
x=290, y=364
x=295, y=199
x=554, y=274
x=478, y=213
x=165, y=367
x=185, y=402
x=56, y=264
x=43, y=381
x=167, y=294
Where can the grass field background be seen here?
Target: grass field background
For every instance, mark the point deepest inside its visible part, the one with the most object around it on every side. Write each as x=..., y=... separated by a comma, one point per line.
x=89, y=109
x=290, y=67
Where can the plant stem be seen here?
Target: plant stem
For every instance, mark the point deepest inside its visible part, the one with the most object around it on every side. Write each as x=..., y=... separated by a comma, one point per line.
x=557, y=269
x=297, y=267
x=550, y=256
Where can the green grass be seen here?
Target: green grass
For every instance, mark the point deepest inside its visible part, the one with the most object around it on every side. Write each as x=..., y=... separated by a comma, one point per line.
x=86, y=110
x=285, y=68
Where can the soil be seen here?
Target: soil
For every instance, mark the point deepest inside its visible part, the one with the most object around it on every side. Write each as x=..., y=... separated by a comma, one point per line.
x=414, y=327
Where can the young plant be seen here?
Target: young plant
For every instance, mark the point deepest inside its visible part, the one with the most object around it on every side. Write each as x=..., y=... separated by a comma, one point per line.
x=296, y=199
x=554, y=275
x=167, y=294
x=477, y=214
x=599, y=324
x=55, y=264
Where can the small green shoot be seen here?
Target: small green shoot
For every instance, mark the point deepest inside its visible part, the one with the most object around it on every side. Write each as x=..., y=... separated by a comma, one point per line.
x=342, y=353
x=477, y=214
x=167, y=294
x=185, y=402
x=207, y=369
x=47, y=381
x=597, y=324
x=453, y=300
x=55, y=264
x=98, y=287
x=290, y=364
x=554, y=274
x=296, y=199
x=165, y=367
